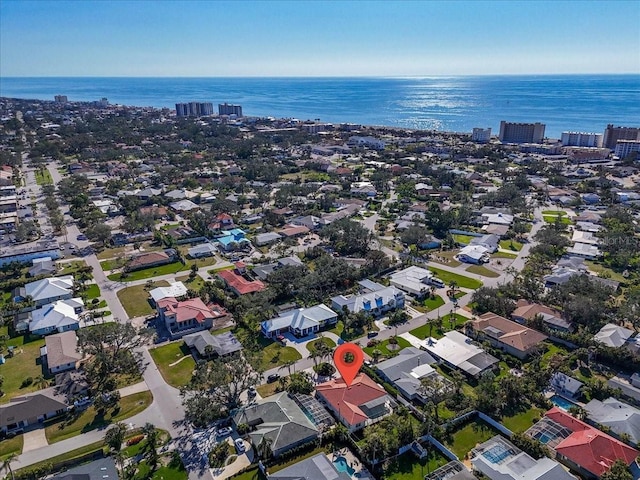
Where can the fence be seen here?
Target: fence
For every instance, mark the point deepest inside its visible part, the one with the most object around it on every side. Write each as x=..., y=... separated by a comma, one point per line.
x=454, y=231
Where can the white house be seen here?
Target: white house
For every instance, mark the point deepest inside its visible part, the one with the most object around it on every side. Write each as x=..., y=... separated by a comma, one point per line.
x=415, y=280
x=48, y=290
x=475, y=254
x=301, y=322
x=59, y=316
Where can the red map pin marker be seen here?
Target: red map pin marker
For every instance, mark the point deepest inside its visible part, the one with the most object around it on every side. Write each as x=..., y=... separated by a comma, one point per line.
x=348, y=358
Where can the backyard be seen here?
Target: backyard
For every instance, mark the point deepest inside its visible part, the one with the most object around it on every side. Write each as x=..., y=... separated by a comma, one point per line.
x=24, y=364
x=522, y=421
x=462, y=281
x=135, y=300
x=467, y=437
x=423, y=331
x=90, y=419
x=409, y=467
x=175, y=363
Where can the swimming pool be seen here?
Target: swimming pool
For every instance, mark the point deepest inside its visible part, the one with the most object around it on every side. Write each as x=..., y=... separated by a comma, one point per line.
x=562, y=402
x=497, y=453
x=343, y=466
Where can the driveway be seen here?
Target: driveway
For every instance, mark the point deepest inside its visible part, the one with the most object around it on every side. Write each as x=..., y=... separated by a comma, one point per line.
x=34, y=439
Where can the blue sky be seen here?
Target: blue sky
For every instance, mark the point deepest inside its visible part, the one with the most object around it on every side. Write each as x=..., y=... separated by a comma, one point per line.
x=317, y=38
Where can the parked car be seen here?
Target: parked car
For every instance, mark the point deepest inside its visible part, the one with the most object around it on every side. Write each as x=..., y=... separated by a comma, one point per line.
x=252, y=391
x=223, y=432
x=273, y=378
x=372, y=334
x=81, y=237
x=239, y=443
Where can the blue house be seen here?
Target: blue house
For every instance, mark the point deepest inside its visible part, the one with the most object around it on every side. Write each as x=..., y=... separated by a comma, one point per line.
x=233, y=239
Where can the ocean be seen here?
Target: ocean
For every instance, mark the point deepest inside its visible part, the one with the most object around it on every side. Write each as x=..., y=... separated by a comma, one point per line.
x=585, y=103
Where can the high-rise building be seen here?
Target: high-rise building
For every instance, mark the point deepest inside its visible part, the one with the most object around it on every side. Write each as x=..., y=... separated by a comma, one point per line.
x=511, y=132
x=613, y=134
x=481, y=135
x=580, y=139
x=226, y=109
x=60, y=99
x=626, y=147
x=194, y=109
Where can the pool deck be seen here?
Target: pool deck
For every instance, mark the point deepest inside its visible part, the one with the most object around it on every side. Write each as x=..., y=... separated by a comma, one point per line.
x=360, y=470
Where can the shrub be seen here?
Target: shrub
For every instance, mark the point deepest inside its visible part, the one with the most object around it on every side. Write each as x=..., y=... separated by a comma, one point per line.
x=373, y=342
x=243, y=429
x=135, y=440
x=325, y=369
x=26, y=382
x=393, y=341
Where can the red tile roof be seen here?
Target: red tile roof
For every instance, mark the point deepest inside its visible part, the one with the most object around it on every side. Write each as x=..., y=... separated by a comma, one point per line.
x=347, y=400
x=240, y=284
x=513, y=334
x=293, y=230
x=187, y=309
x=588, y=447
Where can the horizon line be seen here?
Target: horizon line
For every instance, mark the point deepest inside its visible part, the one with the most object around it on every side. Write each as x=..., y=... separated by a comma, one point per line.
x=415, y=76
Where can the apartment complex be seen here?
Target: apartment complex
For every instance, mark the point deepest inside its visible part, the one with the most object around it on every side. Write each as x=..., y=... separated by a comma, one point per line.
x=613, y=134
x=481, y=135
x=581, y=139
x=227, y=109
x=194, y=109
x=511, y=132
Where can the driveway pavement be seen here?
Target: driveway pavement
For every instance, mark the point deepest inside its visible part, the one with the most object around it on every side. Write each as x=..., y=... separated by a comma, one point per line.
x=34, y=439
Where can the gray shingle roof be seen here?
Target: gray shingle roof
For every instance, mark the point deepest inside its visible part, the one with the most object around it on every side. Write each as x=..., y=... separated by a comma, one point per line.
x=318, y=467
x=618, y=416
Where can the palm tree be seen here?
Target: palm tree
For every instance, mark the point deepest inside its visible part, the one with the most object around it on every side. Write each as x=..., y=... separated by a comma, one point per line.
x=264, y=448
x=376, y=354
x=152, y=444
x=288, y=364
x=114, y=437
x=6, y=464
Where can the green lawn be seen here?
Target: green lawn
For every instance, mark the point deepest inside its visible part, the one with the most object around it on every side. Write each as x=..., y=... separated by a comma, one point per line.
x=112, y=264
x=511, y=245
x=555, y=213
x=90, y=420
x=409, y=467
x=274, y=355
x=522, y=421
x=70, y=268
x=180, y=373
x=604, y=272
x=422, y=331
x=504, y=255
x=11, y=445
x=24, y=363
x=446, y=258
x=382, y=346
x=92, y=291
x=43, y=177
x=202, y=262
x=165, y=472
x=433, y=303
x=196, y=284
x=482, y=270
x=254, y=474
x=462, y=239
x=70, y=455
x=135, y=300
x=462, y=281
x=145, y=273
x=111, y=253
x=267, y=389
x=467, y=437
x=327, y=341
x=552, y=219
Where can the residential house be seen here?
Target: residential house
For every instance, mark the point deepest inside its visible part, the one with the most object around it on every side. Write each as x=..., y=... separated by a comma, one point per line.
x=475, y=254
x=300, y=322
x=512, y=337
x=208, y=345
x=376, y=300
x=175, y=290
x=263, y=239
x=42, y=266
x=458, y=351
x=280, y=419
x=617, y=417
x=362, y=403
x=21, y=412
x=415, y=281
x=47, y=290
x=581, y=447
x=59, y=316
x=60, y=352
x=498, y=218
x=182, y=206
x=202, y=250
x=490, y=242
x=183, y=235
x=407, y=370
x=223, y=221
x=293, y=231
x=318, y=467
x=613, y=335
x=100, y=469
x=262, y=271
x=584, y=250
x=186, y=316
x=239, y=283
x=565, y=385
x=234, y=239
x=499, y=459
x=151, y=259
x=525, y=312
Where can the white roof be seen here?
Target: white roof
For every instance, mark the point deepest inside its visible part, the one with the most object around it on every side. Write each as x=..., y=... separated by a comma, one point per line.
x=175, y=290
x=584, y=237
x=302, y=318
x=422, y=371
x=613, y=335
x=55, y=315
x=474, y=251
x=498, y=218
x=411, y=279
x=49, y=287
x=458, y=350
x=184, y=205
